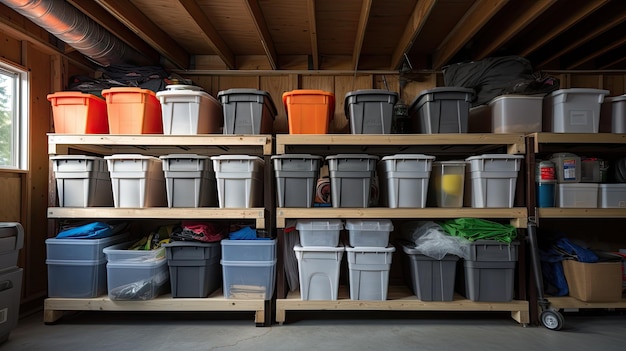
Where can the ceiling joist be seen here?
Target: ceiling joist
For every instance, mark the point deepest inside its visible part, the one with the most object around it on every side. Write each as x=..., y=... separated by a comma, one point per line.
x=313, y=33
x=475, y=18
x=360, y=33
x=263, y=32
x=598, y=52
x=133, y=18
x=214, y=40
x=416, y=22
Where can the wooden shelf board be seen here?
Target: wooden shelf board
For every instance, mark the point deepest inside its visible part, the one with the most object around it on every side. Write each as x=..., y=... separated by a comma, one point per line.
x=160, y=144
x=399, y=298
x=283, y=213
x=577, y=138
x=581, y=212
x=572, y=302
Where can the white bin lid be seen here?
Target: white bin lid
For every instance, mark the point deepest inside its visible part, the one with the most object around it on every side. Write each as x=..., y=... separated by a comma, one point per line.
x=387, y=249
x=369, y=224
x=352, y=156
x=319, y=224
x=494, y=156
x=580, y=91
x=237, y=158
x=184, y=156
x=615, y=98
x=297, y=157
x=183, y=87
x=408, y=157
x=450, y=163
x=299, y=248
x=515, y=97
x=130, y=157
x=75, y=157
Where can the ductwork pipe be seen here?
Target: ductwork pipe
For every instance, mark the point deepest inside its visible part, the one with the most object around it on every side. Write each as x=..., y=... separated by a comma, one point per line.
x=77, y=30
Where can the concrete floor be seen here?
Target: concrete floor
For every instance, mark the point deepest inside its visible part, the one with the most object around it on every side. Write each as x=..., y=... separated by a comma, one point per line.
x=96, y=331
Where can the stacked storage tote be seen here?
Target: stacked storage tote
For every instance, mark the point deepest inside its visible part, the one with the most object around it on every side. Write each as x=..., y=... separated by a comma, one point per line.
x=11, y=241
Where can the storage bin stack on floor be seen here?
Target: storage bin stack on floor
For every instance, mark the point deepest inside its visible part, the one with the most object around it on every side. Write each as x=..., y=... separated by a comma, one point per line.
x=11, y=241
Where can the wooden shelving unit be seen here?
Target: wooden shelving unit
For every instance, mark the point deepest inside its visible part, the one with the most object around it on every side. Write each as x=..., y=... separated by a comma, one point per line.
x=446, y=145
x=156, y=145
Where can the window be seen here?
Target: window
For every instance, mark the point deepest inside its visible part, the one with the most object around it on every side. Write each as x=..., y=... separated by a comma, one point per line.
x=13, y=117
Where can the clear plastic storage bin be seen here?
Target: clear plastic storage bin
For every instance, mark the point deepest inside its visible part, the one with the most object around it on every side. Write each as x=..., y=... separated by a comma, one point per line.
x=369, y=232
x=319, y=232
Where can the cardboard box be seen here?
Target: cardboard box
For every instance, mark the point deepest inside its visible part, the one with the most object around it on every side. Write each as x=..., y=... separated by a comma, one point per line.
x=594, y=282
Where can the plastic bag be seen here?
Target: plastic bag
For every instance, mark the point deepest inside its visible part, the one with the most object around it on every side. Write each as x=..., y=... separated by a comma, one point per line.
x=431, y=240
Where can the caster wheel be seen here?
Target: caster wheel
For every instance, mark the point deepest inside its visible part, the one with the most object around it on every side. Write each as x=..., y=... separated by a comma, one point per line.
x=552, y=320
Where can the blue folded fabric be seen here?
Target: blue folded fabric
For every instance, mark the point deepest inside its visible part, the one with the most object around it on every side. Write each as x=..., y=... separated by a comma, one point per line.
x=94, y=230
x=245, y=233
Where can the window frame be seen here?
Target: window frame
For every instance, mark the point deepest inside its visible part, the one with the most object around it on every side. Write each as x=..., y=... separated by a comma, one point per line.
x=20, y=122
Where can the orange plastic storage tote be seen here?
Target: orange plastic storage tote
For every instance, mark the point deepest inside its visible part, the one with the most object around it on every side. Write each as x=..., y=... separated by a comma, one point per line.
x=133, y=111
x=74, y=112
x=309, y=111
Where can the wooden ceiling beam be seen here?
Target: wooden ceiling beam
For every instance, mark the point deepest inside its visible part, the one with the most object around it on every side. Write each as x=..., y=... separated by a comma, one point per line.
x=313, y=33
x=214, y=40
x=134, y=19
x=416, y=22
x=519, y=22
x=598, y=52
x=360, y=32
x=111, y=24
x=592, y=33
x=476, y=17
x=262, y=31
x=571, y=19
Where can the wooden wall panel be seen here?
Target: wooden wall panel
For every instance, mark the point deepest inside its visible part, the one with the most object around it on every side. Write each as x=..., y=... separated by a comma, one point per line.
x=615, y=83
x=230, y=82
x=11, y=190
x=10, y=48
x=586, y=81
x=344, y=85
x=276, y=86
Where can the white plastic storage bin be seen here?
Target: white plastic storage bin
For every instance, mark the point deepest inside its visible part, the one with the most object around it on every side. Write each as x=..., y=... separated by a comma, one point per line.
x=81, y=249
x=128, y=280
x=369, y=272
x=446, y=185
x=249, y=250
x=11, y=241
x=493, y=179
x=370, y=111
x=189, y=180
x=82, y=181
x=119, y=253
x=351, y=177
x=612, y=195
x=575, y=110
x=369, y=232
x=187, y=109
x=441, y=110
x=613, y=115
x=77, y=278
x=248, y=279
x=516, y=114
x=137, y=180
x=577, y=195
x=318, y=270
x=319, y=232
x=406, y=179
x=296, y=179
x=239, y=180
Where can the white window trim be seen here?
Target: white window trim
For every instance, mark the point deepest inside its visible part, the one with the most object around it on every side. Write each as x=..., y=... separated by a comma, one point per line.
x=21, y=125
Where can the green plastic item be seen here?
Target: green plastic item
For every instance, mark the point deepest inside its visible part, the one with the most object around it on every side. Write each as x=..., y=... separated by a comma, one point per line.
x=479, y=229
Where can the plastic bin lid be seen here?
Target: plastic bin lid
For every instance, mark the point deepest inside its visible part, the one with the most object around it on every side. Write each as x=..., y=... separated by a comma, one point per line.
x=615, y=98
x=319, y=224
x=369, y=224
x=408, y=157
x=75, y=157
x=190, y=244
x=580, y=91
x=183, y=87
x=351, y=156
x=237, y=157
x=319, y=248
x=184, y=156
x=248, y=91
x=127, y=90
x=493, y=242
x=447, y=90
x=494, y=156
x=181, y=92
x=62, y=94
x=308, y=92
x=19, y=233
x=451, y=163
x=297, y=156
x=514, y=97
x=371, y=92
x=389, y=248
x=130, y=157
x=562, y=154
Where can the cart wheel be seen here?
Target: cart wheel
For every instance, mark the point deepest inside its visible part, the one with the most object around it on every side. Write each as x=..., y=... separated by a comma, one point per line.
x=552, y=320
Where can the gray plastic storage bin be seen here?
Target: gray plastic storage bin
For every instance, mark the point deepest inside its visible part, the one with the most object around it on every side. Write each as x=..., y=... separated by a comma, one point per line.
x=239, y=180
x=318, y=271
x=428, y=278
x=489, y=281
x=189, y=180
x=575, y=110
x=11, y=241
x=194, y=268
x=248, y=279
x=128, y=280
x=613, y=115
x=370, y=111
x=82, y=181
x=493, y=250
x=441, y=110
x=10, y=297
x=405, y=180
x=369, y=272
x=249, y=250
x=137, y=180
x=319, y=232
x=77, y=278
x=493, y=179
x=81, y=249
x=247, y=111
x=296, y=179
x=351, y=177
x=369, y=232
